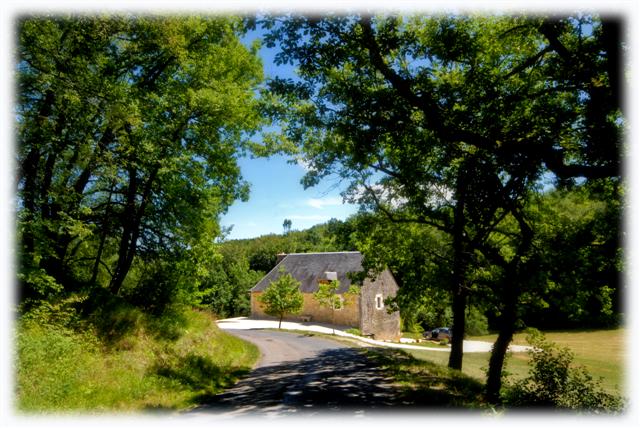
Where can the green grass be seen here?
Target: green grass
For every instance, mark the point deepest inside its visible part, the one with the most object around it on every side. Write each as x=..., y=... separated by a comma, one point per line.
x=430, y=344
x=601, y=352
x=412, y=335
x=171, y=362
x=426, y=383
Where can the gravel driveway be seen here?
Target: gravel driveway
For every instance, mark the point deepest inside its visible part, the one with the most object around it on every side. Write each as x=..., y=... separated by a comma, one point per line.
x=243, y=323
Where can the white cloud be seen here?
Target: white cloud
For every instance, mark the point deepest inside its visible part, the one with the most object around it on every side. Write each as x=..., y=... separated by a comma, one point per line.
x=319, y=204
x=304, y=164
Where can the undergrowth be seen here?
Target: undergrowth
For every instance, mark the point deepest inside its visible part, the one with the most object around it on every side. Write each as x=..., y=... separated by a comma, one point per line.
x=554, y=382
x=76, y=356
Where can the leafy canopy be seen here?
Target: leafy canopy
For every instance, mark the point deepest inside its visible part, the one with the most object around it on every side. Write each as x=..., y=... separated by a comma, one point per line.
x=282, y=297
x=129, y=129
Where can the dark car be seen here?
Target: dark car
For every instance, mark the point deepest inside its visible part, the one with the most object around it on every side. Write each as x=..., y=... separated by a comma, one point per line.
x=439, y=333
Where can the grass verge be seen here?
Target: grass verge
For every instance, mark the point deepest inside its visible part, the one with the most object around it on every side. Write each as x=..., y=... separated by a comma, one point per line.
x=601, y=352
x=65, y=363
x=428, y=384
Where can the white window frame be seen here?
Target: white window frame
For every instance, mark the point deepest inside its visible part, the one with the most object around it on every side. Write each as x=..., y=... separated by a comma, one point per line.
x=379, y=302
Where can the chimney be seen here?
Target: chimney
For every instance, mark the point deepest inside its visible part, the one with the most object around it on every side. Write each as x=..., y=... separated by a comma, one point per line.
x=280, y=257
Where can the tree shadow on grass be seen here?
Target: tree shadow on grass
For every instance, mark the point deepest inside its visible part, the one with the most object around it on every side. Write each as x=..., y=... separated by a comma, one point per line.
x=201, y=374
x=428, y=384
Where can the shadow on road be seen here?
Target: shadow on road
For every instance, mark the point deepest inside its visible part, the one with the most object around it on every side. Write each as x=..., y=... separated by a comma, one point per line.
x=337, y=379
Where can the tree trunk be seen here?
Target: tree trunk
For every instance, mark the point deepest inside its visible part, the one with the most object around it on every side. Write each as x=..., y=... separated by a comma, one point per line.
x=458, y=327
x=280, y=323
x=499, y=350
x=132, y=222
x=29, y=169
x=514, y=277
x=103, y=238
x=459, y=292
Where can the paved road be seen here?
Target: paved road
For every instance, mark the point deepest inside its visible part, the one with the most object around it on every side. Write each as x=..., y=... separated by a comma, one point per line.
x=299, y=373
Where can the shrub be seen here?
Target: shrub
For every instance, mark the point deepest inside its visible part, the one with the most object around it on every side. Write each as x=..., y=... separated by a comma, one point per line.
x=354, y=331
x=476, y=323
x=553, y=382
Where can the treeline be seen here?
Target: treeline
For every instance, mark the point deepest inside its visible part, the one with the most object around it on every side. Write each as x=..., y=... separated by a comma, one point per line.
x=242, y=263
x=576, y=284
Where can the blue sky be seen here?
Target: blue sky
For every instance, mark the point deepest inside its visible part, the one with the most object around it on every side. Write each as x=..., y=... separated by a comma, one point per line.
x=276, y=191
x=276, y=195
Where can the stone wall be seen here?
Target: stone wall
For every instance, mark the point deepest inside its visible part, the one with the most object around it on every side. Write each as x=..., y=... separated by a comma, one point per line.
x=361, y=312
x=377, y=321
x=312, y=311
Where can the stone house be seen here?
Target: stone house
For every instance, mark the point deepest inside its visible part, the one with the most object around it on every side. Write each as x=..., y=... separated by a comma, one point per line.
x=367, y=311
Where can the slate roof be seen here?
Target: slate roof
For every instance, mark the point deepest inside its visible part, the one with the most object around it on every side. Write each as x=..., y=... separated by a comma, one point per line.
x=308, y=268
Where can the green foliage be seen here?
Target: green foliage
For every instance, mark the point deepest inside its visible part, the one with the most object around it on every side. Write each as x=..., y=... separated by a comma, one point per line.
x=128, y=129
x=417, y=255
x=37, y=284
x=577, y=237
x=286, y=226
x=261, y=251
x=354, y=331
x=476, y=322
x=444, y=120
x=282, y=297
x=328, y=296
x=554, y=382
x=225, y=290
x=120, y=359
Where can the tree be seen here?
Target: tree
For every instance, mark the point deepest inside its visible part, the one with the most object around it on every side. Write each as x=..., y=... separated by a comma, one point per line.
x=453, y=122
x=286, y=226
x=328, y=297
x=282, y=297
x=418, y=256
x=128, y=133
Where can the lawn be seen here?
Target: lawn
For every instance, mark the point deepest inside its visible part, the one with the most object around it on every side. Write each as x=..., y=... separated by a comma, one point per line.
x=602, y=352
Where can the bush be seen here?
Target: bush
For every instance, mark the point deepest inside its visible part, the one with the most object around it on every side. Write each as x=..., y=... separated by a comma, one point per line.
x=476, y=323
x=354, y=331
x=554, y=383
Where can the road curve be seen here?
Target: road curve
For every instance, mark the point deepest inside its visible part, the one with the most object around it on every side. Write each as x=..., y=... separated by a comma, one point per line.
x=300, y=373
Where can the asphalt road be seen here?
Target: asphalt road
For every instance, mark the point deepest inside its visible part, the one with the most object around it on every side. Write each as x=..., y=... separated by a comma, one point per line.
x=299, y=373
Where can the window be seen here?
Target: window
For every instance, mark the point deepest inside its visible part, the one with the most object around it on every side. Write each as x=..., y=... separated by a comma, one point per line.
x=379, y=301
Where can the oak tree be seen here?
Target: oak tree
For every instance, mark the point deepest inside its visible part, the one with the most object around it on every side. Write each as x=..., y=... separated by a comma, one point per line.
x=454, y=122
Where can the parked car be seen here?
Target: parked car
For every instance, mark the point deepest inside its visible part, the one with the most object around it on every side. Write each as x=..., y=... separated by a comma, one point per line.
x=438, y=333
